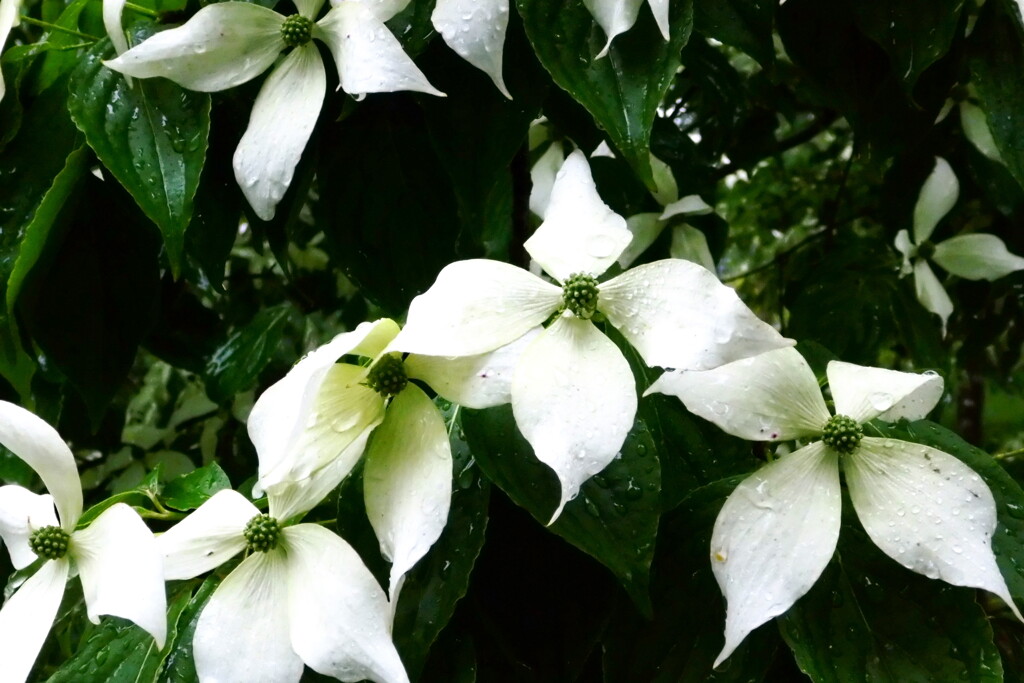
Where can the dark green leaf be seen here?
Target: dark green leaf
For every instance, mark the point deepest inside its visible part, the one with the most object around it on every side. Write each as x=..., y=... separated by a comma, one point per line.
x=189, y=491
x=390, y=218
x=441, y=578
x=869, y=619
x=914, y=33
x=140, y=495
x=412, y=26
x=118, y=651
x=743, y=24
x=235, y=366
x=179, y=666
x=996, y=62
x=622, y=90
x=615, y=517
x=152, y=136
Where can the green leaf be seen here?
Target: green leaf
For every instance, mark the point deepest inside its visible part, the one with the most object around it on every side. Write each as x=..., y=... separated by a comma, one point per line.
x=102, y=283
x=412, y=26
x=118, y=651
x=1008, y=541
x=621, y=90
x=140, y=495
x=152, y=136
x=191, y=490
x=614, y=519
x=914, y=33
x=390, y=217
x=681, y=642
x=996, y=62
x=179, y=666
x=235, y=366
x=743, y=24
x=869, y=619
x=441, y=578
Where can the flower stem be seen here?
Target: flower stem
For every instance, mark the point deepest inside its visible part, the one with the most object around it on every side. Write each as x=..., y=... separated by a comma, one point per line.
x=1008, y=454
x=55, y=27
x=139, y=9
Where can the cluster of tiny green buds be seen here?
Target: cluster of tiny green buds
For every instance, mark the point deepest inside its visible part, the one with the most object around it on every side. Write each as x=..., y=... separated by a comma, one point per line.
x=50, y=542
x=262, y=533
x=387, y=377
x=925, y=250
x=296, y=30
x=842, y=433
x=579, y=295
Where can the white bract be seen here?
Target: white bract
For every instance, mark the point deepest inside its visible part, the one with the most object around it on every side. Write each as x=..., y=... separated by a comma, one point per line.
x=778, y=530
x=228, y=43
x=618, y=16
x=311, y=428
x=973, y=257
x=475, y=29
x=115, y=556
x=573, y=395
x=9, y=10
x=301, y=596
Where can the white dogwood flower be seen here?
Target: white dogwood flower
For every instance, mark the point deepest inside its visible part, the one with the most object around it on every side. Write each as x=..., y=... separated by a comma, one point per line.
x=573, y=395
x=311, y=428
x=778, y=530
x=618, y=16
x=976, y=256
x=115, y=555
x=228, y=43
x=301, y=596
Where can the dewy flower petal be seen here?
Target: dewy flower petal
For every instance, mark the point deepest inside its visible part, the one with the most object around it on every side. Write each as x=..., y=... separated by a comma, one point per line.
x=770, y=397
x=26, y=618
x=208, y=537
x=580, y=234
x=645, y=228
x=614, y=16
x=649, y=304
x=481, y=381
x=659, y=8
x=225, y=44
x=279, y=424
x=938, y=195
x=690, y=244
x=112, y=10
x=865, y=393
x=369, y=58
x=542, y=177
x=21, y=513
x=8, y=19
x=282, y=119
x=476, y=306
x=574, y=399
x=931, y=293
x=340, y=620
x=40, y=446
x=475, y=29
x=905, y=247
x=243, y=633
x=928, y=511
x=977, y=257
x=407, y=480
x=773, y=538
x=384, y=10
x=976, y=129
x=121, y=571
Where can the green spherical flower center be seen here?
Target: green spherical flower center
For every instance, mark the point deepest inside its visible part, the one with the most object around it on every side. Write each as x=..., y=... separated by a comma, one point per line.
x=262, y=533
x=387, y=377
x=50, y=542
x=842, y=433
x=297, y=30
x=925, y=250
x=579, y=295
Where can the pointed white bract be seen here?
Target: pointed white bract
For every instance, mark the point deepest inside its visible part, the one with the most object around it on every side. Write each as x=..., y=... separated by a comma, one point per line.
x=777, y=531
x=226, y=44
x=972, y=257
x=116, y=555
x=572, y=394
x=618, y=16
x=475, y=29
